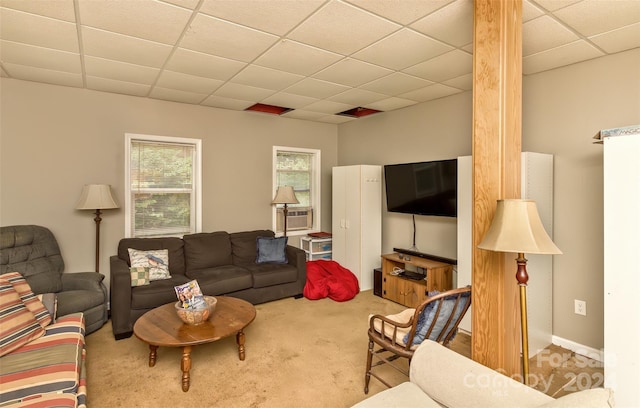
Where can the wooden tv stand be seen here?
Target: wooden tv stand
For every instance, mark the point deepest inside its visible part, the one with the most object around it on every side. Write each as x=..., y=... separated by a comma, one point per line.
x=409, y=292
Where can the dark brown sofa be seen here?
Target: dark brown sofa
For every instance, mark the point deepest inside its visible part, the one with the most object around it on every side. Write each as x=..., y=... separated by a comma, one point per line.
x=222, y=263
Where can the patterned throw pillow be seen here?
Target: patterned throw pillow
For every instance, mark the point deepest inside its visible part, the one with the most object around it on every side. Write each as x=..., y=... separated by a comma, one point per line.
x=18, y=326
x=139, y=276
x=31, y=301
x=157, y=261
x=50, y=301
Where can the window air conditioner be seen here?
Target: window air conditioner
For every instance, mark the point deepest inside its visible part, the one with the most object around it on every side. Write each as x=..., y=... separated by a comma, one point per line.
x=298, y=218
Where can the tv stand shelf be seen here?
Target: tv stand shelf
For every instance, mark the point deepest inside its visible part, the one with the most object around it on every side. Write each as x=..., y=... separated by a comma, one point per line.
x=409, y=292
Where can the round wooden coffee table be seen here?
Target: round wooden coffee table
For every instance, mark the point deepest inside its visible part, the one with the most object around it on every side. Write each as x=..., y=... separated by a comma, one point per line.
x=161, y=327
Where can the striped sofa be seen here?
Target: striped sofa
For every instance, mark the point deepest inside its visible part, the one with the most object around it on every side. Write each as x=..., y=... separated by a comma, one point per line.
x=42, y=359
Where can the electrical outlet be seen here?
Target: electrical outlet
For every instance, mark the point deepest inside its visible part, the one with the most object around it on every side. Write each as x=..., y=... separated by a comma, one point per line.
x=580, y=307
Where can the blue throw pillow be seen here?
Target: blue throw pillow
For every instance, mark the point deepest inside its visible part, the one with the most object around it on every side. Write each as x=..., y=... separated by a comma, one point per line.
x=428, y=313
x=272, y=250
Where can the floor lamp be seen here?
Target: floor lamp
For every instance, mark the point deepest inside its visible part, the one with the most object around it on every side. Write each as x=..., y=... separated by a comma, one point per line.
x=516, y=228
x=96, y=197
x=285, y=195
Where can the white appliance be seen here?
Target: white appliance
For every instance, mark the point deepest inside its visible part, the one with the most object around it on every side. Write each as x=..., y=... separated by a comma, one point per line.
x=357, y=220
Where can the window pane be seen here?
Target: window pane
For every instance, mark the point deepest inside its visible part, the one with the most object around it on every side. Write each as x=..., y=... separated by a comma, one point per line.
x=294, y=169
x=161, y=214
x=161, y=165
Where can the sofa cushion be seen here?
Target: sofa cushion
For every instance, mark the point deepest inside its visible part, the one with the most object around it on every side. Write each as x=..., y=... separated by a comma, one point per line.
x=18, y=326
x=590, y=398
x=243, y=245
x=269, y=274
x=30, y=300
x=222, y=279
x=51, y=363
x=404, y=395
x=174, y=245
x=271, y=250
x=156, y=293
x=207, y=250
x=33, y=251
x=74, y=301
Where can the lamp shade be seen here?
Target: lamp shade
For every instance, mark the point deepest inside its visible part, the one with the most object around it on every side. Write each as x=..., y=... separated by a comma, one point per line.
x=285, y=195
x=516, y=227
x=96, y=197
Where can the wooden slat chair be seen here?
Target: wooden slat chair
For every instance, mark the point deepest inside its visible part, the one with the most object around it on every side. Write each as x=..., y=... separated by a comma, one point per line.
x=437, y=319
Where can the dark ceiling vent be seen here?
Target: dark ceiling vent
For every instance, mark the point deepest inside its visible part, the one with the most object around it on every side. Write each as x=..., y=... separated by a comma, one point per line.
x=358, y=112
x=272, y=109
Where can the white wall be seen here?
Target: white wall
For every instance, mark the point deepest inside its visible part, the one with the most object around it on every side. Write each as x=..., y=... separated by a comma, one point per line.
x=56, y=139
x=562, y=110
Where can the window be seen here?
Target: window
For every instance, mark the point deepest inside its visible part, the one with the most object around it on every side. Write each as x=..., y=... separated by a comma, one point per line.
x=299, y=168
x=163, y=186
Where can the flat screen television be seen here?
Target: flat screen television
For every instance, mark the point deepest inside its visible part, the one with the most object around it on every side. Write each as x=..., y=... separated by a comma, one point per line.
x=425, y=188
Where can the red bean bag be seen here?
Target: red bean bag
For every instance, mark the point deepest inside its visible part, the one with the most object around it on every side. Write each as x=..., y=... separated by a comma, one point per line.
x=327, y=278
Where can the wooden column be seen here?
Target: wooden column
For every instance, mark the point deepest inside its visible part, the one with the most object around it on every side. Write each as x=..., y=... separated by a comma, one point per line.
x=497, y=128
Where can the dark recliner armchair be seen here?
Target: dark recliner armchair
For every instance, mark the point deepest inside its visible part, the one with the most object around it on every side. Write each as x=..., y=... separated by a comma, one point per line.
x=33, y=251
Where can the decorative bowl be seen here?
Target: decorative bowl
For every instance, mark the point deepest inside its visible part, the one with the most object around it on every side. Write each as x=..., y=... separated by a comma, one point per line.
x=197, y=316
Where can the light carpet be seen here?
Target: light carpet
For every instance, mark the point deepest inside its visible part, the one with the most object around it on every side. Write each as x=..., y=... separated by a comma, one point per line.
x=299, y=353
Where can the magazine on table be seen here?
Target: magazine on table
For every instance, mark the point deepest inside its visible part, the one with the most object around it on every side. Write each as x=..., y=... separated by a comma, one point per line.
x=190, y=295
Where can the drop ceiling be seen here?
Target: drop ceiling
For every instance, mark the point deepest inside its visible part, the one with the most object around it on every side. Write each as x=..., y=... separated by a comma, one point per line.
x=317, y=57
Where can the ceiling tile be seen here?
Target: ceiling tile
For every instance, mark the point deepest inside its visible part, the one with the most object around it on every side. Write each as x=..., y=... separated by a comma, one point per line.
x=298, y=58
x=189, y=4
x=593, y=17
x=401, y=11
x=342, y=28
x=287, y=100
x=32, y=29
x=60, y=9
x=553, y=5
x=452, y=24
x=227, y=103
x=39, y=57
x=618, y=40
x=530, y=11
x=273, y=16
x=188, y=83
x=431, y=92
x=120, y=71
x=175, y=95
x=447, y=66
x=336, y=119
x=148, y=19
x=402, y=49
x=266, y=78
x=557, y=57
x=108, y=45
x=303, y=114
x=543, y=33
x=119, y=87
x=464, y=82
x=217, y=37
x=203, y=65
x=243, y=92
x=352, y=72
x=48, y=76
x=390, y=104
x=358, y=97
x=395, y=84
x=328, y=107
x=316, y=88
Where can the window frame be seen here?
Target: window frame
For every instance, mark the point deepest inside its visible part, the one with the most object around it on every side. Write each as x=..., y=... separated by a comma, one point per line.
x=197, y=176
x=315, y=190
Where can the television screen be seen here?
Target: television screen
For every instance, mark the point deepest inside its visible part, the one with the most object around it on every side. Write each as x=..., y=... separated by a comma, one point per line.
x=425, y=188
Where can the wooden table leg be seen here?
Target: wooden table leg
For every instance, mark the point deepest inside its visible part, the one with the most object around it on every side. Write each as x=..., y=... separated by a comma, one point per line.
x=153, y=354
x=240, y=342
x=186, y=366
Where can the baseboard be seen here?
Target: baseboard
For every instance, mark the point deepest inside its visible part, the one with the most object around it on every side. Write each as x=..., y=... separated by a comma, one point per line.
x=578, y=348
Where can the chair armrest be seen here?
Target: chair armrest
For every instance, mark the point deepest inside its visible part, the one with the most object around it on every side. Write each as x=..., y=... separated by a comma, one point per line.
x=297, y=258
x=82, y=281
x=120, y=296
x=393, y=330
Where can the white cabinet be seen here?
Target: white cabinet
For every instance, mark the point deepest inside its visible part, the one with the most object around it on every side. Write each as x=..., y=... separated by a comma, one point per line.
x=621, y=272
x=536, y=184
x=357, y=220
